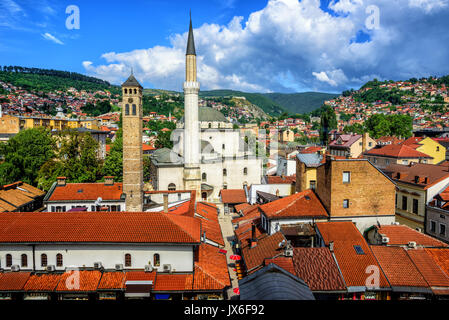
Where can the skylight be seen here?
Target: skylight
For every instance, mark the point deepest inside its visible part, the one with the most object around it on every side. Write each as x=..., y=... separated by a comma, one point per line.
x=359, y=250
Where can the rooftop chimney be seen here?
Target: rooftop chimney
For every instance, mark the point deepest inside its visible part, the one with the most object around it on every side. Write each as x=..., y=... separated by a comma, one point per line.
x=165, y=202
x=109, y=180
x=253, y=240
x=331, y=246
x=61, y=181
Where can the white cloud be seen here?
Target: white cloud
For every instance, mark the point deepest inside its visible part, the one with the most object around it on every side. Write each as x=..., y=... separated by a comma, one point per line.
x=52, y=38
x=293, y=44
x=428, y=5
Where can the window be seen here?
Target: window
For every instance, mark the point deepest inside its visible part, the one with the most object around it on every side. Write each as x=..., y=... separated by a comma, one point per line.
x=404, y=203
x=171, y=187
x=346, y=176
x=245, y=171
x=370, y=144
x=404, y=162
x=433, y=226
x=438, y=149
x=312, y=184
x=223, y=146
x=346, y=203
x=210, y=125
x=24, y=260
x=8, y=260
x=156, y=260
x=44, y=260
x=126, y=109
x=126, y=91
x=415, y=206
x=134, y=109
x=204, y=176
x=59, y=260
x=359, y=250
x=387, y=161
x=225, y=172
x=127, y=260
x=135, y=91
x=442, y=229
x=204, y=195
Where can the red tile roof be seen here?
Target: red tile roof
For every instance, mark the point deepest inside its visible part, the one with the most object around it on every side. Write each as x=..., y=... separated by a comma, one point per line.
x=397, y=151
x=87, y=191
x=285, y=263
x=267, y=247
x=114, y=280
x=278, y=179
x=433, y=173
x=80, y=281
x=353, y=266
x=299, y=205
x=402, y=235
x=431, y=272
x=250, y=214
x=398, y=268
x=311, y=150
x=147, y=147
x=42, y=282
x=211, y=271
x=441, y=257
x=241, y=206
x=173, y=282
x=318, y=269
x=109, y=227
x=233, y=196
x=243, y=233
x=13, y=281
x=209, y=222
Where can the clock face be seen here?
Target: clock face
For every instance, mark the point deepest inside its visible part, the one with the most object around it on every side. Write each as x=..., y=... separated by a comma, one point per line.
x=130, y=100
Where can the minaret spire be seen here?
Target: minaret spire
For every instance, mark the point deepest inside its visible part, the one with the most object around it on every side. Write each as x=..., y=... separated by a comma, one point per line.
x=190, y=40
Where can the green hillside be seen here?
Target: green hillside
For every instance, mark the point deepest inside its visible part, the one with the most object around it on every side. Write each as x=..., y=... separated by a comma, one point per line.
x=304, y=102
x=266, y=104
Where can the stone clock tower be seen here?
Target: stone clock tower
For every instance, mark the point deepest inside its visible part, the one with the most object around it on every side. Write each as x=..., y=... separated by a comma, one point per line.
x=132, y=144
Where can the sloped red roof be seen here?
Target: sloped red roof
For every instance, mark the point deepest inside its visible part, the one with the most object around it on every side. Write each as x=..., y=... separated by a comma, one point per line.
x=233, y=196
x=242, y=206
x=87, y=191
x=278, y=179
x=311, y=150
x=108, y=227
x=431, y=272
x=399, y=269
x=79, y=281
x=211, y=271
x=146, y=147
x=243, y=233
x=318, y=269
x=441, y=257
x=114, y=280
x=173, y=282
x=285, y=263
x=13, y=281
x=267, y=247
x=302, y=204
x=397, y=151
x=402, y=235
x=42, y=282
x=250, y=214
x=433, y=173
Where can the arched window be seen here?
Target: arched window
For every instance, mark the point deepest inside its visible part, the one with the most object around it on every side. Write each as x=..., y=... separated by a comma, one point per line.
x=126, y=109
x=210, y=125
x=126, y=91
x=245, y=171
x=225, y=172
x=156, y=260
x=44, y=260
x=8, y=260
x=127, y=260
x=135, y=91
x=204, y=195
x=134, y=109
x=59, y=260
x=171, y=187
x=24, y=260
x=204, y=176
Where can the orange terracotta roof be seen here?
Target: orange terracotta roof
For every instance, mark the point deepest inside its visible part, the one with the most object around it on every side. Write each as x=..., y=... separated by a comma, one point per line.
x=118, y=227
x=398, y=268
x=84, y=281
x=267, y=247
x=242, y=206
x=173, y=282
x=114, y=280
x=278, y=179
x=146, y=147
x=397, y=151
x=429, y=174
x=311, y=150
x=211, y=271
x=441, y=257
x=87, y=191
x=402, y=235
x=243, y=233
x=318, y=269
x=42, y=282
x=346, y=237
x=13, y=281
x=431, y=272
x=299, y=205
x=285, y=263
x=233, y=196
x=250, y=214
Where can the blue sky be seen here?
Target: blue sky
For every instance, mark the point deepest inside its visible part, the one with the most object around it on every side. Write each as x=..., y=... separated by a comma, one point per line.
x=249, y=45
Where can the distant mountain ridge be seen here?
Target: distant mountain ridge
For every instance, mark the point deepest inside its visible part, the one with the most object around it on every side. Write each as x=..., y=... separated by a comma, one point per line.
x=303, y=102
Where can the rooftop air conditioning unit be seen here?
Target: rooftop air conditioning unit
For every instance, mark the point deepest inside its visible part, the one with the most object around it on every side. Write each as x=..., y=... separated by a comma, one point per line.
x=288, y=252
x=50, y=268
x=15, y=267
x=98, y=265
x=385, y=240
x=149, y=268
x=167, y=267
x=412, y=244
x=119, y=267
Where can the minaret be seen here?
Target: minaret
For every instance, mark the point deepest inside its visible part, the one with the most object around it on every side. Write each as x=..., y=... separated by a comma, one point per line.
x=192, y=176
x=132, y=144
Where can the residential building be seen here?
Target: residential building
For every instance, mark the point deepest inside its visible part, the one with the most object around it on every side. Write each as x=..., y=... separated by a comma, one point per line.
x=351, y=145
x=306, y=168
x=428, y=146
x=396, y=154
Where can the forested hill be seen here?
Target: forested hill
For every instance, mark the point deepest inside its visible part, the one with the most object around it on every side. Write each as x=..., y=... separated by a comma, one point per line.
x=304, y=102
x=36, y=79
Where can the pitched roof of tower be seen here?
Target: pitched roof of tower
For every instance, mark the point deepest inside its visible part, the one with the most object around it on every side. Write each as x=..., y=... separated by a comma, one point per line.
x=131, y=82
x=190, y=41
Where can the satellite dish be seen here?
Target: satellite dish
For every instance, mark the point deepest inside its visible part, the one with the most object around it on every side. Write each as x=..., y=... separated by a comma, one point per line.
x=99, y=199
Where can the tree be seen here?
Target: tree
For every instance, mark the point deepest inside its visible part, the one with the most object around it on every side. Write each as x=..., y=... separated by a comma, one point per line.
x=328, y=122
x=113, y=164
x=24, y=154
x=163, y=140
